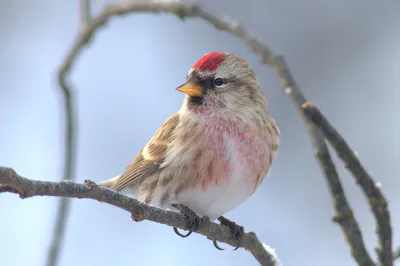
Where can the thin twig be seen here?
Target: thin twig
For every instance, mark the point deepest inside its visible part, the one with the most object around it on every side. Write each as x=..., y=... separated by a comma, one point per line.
x=344, y=214
x=70, y=149
x=139, y=211
x=85, y=10
x=186, y=10
x=376, y=199
x=396, y=255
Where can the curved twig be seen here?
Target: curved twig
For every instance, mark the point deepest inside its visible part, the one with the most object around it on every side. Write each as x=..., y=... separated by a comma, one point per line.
x=376, y=199
x=70, y=149
x=396, y=255
x=139, y=211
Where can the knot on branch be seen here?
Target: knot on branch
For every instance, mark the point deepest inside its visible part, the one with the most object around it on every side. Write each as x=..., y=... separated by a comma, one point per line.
x=341, y=217
x=9, y=181
x=7, y=174
x=91, y=185
x=308, y=107
x=183, y=11
x=137, y=216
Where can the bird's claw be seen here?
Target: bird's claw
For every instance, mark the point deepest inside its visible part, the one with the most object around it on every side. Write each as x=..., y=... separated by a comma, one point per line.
x=237, y=231
x=217, y=246
x=182, y=235
x=192, y=220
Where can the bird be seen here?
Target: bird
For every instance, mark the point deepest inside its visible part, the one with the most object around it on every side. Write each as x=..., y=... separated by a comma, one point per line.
x=214, y=152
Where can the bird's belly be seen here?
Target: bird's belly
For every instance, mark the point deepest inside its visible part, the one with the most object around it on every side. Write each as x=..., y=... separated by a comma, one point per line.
x=218, y=199
x=230, y=183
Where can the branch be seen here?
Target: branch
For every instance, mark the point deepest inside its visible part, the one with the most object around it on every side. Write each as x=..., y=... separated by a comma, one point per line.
x=396, y=255
x=377, y=201
x=27, y=188
x=344, y=214
x=70, y=149
x=85, y=11
x=4, y=188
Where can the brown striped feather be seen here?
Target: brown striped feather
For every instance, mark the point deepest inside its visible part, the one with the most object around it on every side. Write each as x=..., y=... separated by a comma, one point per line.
x=272, y=138
x=151, y=156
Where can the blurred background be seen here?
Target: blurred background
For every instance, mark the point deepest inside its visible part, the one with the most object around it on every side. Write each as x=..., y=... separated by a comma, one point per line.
x=344, y=54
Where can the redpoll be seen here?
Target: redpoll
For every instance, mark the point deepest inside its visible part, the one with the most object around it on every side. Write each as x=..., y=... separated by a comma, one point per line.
x=212, y=154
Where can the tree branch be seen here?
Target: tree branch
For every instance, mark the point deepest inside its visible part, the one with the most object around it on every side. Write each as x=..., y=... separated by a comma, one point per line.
x=376, y=199
x=396, y=255
x=85, y=10
x=344, y=214
x=70, y=149
x=27, y=188
x=4, y=188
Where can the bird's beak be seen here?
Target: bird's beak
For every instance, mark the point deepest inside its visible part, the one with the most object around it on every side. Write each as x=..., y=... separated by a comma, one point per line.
x=191, y=89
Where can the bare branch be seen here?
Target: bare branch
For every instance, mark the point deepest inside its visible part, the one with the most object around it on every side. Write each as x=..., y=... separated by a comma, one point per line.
x=344, y=214
x=70, y=147
x=376, y=199
x=85, y=11
x=29, y=188
x=396, y=255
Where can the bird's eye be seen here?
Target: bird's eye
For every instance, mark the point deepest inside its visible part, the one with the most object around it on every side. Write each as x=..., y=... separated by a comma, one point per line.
x=218, y=82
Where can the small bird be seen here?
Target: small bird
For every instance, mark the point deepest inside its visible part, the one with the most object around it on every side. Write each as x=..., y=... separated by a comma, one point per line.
x=211, y=155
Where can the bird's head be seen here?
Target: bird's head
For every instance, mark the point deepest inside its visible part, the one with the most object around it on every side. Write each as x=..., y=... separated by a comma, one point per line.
x=220, y=82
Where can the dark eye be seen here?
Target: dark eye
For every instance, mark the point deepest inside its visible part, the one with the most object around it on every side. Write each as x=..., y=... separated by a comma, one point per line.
x=218, y=82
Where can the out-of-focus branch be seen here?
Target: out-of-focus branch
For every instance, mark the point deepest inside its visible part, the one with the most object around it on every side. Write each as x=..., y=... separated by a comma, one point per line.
x=344, y=214
x=70, y=148
x=85, y=10
x=396, y=255
x=376, y=199
x=29, y=188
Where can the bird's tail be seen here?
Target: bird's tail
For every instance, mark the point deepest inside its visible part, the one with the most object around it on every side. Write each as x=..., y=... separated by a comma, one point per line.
x=109, y=182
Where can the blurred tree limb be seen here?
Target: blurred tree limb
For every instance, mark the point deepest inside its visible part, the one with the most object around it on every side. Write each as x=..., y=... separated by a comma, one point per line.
x=318, y=132
x=85, y=12
x=70, y=150
x=396, y=255
x=10, y=181
x=377, y=201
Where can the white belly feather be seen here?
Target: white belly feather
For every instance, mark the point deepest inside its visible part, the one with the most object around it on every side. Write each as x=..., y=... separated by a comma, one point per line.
x=221, y=198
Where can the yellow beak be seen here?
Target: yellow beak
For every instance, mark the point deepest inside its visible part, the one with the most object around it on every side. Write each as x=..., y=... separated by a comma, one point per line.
x=191, y=89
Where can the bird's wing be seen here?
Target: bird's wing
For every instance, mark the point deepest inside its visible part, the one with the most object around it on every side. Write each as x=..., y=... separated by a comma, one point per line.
x=151, y=156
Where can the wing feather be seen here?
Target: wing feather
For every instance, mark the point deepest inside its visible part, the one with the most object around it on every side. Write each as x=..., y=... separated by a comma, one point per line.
x=150, y=157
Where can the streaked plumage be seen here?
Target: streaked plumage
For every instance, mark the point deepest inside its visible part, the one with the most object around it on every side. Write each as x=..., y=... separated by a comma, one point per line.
x=215, y=151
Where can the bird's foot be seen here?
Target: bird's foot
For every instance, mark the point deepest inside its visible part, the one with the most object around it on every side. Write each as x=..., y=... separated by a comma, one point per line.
x=192, y=220
x=237, y=231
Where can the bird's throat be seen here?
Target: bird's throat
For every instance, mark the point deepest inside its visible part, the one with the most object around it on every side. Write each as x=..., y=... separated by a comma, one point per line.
x=196, y=100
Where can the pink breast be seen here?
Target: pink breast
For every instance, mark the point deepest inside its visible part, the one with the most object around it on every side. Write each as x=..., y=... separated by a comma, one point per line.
x=234, y=149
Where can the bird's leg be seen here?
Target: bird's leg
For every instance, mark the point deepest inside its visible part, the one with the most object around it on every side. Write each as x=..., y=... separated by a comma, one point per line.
x=192, y=220
x=236, y=230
